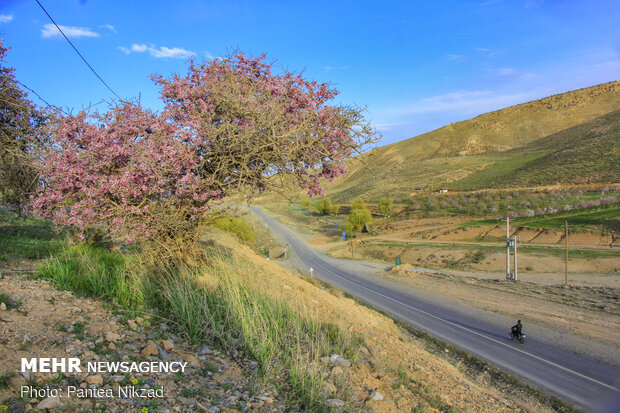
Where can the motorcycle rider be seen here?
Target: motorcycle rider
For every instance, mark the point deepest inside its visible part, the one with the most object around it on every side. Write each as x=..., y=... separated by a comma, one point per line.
x=517, y=329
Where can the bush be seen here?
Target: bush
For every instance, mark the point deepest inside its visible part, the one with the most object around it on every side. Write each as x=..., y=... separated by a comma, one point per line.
x=325, y=207
x=385, y=206
x=236, y=226
x=358, y=220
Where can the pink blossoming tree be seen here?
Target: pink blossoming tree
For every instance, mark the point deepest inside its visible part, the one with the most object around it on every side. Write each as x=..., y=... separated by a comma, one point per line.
x=228, y=126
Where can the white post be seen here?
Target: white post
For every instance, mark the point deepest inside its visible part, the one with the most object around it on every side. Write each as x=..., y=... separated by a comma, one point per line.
x=508, y=276
x=311, y=271
x=515, y=259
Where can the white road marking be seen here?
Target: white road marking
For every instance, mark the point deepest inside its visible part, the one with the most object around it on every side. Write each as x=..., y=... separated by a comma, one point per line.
x=474, y=332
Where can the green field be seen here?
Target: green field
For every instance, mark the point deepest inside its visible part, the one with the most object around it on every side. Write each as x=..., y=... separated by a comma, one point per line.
x=606, y=219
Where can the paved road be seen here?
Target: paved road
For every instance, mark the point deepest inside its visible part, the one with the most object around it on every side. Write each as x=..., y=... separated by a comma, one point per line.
x=588, y=383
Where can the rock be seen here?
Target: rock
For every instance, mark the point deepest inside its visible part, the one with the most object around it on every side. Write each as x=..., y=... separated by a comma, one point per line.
x=118, y=379
x=94, y=379
x=162, y=354
x=17, y=407
x=191, y=359
x=50, y=403
x=205, y=350
x=167, y=344
x=112, y=337
x=375, y=395
x=334, y=403
x=277, y=252
x=150, y=350
x=139, y=320
x=329, y=388
x=132, y=324
x=336, y=371
x=266, y=399
x=75, y=309
x=185, y=400
x=111, y=346
x=340, y=361
x=2, y=307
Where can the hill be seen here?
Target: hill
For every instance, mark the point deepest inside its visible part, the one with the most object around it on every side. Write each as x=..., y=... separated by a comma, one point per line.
x=586, y=153
x=508, y=139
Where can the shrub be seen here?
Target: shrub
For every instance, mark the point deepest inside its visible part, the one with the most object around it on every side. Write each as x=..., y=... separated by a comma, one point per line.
x=236, y=226
x=385, y=206
x=358, y=219
x=325, y=207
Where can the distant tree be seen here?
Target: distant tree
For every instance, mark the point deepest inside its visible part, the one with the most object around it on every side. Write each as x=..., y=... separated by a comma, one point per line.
x=325, y=207
x=228, y=126
x=385, y=206
x=358, y=219
x=21, y=124
x=358, y=204
x=306, y=204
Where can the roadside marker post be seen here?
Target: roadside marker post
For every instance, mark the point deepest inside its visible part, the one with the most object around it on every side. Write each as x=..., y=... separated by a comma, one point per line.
x=566, y=257
x=515, y=278
x=344, y=235
x=508, y=275
x=311, y=271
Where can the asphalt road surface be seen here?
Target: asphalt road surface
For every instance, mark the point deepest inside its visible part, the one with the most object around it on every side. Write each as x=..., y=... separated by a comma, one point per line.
x=578, y=379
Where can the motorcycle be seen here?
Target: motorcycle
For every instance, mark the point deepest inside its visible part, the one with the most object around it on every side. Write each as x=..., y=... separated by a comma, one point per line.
x=520, y=337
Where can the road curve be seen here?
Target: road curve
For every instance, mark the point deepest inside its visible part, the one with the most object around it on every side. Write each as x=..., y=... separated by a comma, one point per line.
x=580, y=380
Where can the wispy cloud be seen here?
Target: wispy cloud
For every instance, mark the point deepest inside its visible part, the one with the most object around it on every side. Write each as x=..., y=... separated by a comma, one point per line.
x=109, y=27
x=211, y=57
x=464, y=101
x=328, y=69
x=5, y=18
x=49, y=30
x=508, y=73
x=456, y=57
x=159, y=52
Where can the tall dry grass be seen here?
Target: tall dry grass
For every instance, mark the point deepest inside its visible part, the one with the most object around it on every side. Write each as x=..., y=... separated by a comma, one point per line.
x=223, y=301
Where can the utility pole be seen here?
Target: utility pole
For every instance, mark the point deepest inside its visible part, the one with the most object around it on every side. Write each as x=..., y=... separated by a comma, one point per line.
x=508, y=277
x=566, y=257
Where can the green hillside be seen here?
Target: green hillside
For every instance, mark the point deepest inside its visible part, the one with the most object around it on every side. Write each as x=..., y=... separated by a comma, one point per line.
x=587, y=153
x=480, y=152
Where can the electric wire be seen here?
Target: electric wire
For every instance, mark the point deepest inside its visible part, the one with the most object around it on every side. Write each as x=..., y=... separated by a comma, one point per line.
x=78, y=52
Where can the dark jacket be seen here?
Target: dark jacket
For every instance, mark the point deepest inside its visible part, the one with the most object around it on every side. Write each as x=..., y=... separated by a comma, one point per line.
x=518, y=328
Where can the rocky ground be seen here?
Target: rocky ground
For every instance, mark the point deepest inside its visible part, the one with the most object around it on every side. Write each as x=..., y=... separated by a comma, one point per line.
x=40, y=321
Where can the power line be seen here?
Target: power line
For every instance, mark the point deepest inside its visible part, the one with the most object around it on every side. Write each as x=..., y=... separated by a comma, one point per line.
x=40, y=98
x=77, y=51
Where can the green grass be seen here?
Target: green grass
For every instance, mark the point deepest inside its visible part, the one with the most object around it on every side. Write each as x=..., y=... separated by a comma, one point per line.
x=606, y=218
x=27, y=238
x=5, y=379
x=236, y=315
x=477, y=251
x=96, y=272
x=9, y=301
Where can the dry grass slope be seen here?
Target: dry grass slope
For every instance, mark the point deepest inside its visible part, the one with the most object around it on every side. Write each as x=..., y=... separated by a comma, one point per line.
x=452, y=153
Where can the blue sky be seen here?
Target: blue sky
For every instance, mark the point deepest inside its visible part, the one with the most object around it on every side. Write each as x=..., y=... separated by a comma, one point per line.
x=415, y=65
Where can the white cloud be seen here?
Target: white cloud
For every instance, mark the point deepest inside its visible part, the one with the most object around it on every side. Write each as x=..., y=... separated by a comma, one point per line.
x=211, y=57
x=49, y=30
x=5, y=18
x=161, y=52
x=109, y=27
x=464, y=101
x=457, y=57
